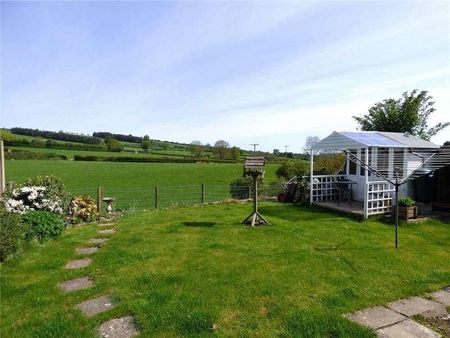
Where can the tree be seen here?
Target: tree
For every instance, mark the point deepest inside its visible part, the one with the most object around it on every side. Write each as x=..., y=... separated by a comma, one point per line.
x=310, y=142
x=6, y=135
x=146, y=138
x=221, y=148
x=197, y=149
x=408, y=114
x=113, y=144
x=236, y=153
x=276, y=152
x=146, y=144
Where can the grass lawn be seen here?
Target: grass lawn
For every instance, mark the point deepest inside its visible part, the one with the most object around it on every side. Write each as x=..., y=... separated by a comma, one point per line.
x=178, y=271
x=133, y=183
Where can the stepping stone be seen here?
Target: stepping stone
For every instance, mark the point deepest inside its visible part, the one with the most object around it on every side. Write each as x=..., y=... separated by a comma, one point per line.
x=118, y=328
x=105, y=224
x=376, y=317
x=87, y=251
x=106, y=231
x=407, y=329
x=78, y=263
x=441, y=296
x=92, y=307
x=418, y=305
x=76, y=284
x=447, y=288
x=98, y=240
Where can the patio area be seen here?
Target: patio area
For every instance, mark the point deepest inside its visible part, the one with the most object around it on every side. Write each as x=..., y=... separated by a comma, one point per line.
x=355, y=208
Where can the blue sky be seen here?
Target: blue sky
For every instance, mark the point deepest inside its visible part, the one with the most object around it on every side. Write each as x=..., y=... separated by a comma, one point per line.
x=267, y=72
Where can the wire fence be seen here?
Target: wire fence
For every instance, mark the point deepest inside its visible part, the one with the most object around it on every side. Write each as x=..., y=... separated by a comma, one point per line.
x=159, y=197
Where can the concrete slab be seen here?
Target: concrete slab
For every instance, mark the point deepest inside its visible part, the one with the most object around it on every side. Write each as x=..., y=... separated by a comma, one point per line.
x=98, y=240
x=376, y=317
x=76, y=284
x=107, y=231
x=441, y=296
x=105, y=224
x=417, y=305
x=87, y=251
x=78, y=263
x=407, y=329
x=93, y=306
x=118, y=328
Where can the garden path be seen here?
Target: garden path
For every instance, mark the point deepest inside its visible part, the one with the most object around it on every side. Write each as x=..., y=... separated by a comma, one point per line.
x=400, y=319
x=122, y=327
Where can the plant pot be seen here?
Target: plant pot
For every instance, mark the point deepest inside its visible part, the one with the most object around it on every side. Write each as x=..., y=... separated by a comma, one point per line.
x=407, y=212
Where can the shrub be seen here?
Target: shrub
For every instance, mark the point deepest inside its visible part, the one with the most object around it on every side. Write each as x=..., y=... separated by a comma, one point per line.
x=82, y=208
x=14, y=154
x=42, y=224
x=406, y=201
x=38, y=193
x=240, y=188
x=11, y=234
x=291, y=168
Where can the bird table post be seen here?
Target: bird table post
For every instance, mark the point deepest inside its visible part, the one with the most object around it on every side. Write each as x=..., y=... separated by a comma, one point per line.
x=254, y=167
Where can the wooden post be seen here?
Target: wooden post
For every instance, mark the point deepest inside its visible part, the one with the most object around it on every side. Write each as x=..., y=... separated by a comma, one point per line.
x=203, y=193
x=99, y=200
x=156, y=197
x=2, y=167
x=311, y=177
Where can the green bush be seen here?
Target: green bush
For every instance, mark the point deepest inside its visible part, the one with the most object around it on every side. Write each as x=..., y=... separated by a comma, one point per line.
x=11, y=234
x=291, y=168
x=406, y=201
x=42, y=224
x=54, y=189
x=240, y=188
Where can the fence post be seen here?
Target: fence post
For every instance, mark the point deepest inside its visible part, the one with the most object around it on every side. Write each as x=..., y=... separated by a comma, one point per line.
x=156, y=197
x=11, y=185
x=203, y=193
x=249, y=191
x=99, y=199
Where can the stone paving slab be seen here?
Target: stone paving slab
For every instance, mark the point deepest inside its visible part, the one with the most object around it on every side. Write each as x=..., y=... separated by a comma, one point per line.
x=407, y=329
x=417, y=305
x=107, y=231
x=98, y=240
x=118, y=328
x=93, y=306
x=78, y=263
x=105, y=224
x=76, y=284
x=87, y=251
x=376, y=317
x=447, y=288
x=441, y=296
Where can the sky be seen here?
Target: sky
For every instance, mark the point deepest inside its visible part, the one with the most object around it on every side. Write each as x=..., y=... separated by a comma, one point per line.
x=271, y=73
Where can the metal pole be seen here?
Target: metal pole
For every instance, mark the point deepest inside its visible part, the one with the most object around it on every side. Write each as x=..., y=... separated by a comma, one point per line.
x=311, y=175
x=203, y=193
x=396, y=208
x=156, y=197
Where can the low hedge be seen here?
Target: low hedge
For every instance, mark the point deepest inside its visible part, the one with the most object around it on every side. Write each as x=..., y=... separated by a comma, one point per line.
x=12, y=234
x=145, y=159
x=13, y=154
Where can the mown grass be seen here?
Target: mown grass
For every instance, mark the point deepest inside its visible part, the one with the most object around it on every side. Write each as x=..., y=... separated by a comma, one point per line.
x=179, y=271
x=133, y=184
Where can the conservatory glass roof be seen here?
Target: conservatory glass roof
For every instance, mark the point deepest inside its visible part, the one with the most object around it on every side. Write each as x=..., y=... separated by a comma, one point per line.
x=362, y=139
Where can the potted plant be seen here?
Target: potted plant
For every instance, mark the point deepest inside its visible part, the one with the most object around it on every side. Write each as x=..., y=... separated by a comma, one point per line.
x=407, y=208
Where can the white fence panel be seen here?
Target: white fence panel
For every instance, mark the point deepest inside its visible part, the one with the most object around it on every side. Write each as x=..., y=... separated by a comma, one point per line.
x=323, y=187
x=379, y=197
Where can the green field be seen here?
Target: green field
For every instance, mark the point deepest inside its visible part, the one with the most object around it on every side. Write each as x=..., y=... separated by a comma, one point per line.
x=178, y=271
x=133, y=184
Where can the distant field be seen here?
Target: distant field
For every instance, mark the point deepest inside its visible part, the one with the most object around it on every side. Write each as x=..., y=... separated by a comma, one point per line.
x=133, y=184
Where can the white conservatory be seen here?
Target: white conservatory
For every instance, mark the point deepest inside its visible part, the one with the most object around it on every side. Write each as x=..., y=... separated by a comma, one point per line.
x=373, y=160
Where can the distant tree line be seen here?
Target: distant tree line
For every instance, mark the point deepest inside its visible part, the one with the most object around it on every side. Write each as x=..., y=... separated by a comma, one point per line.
x=119, y=137
x=60, y=135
